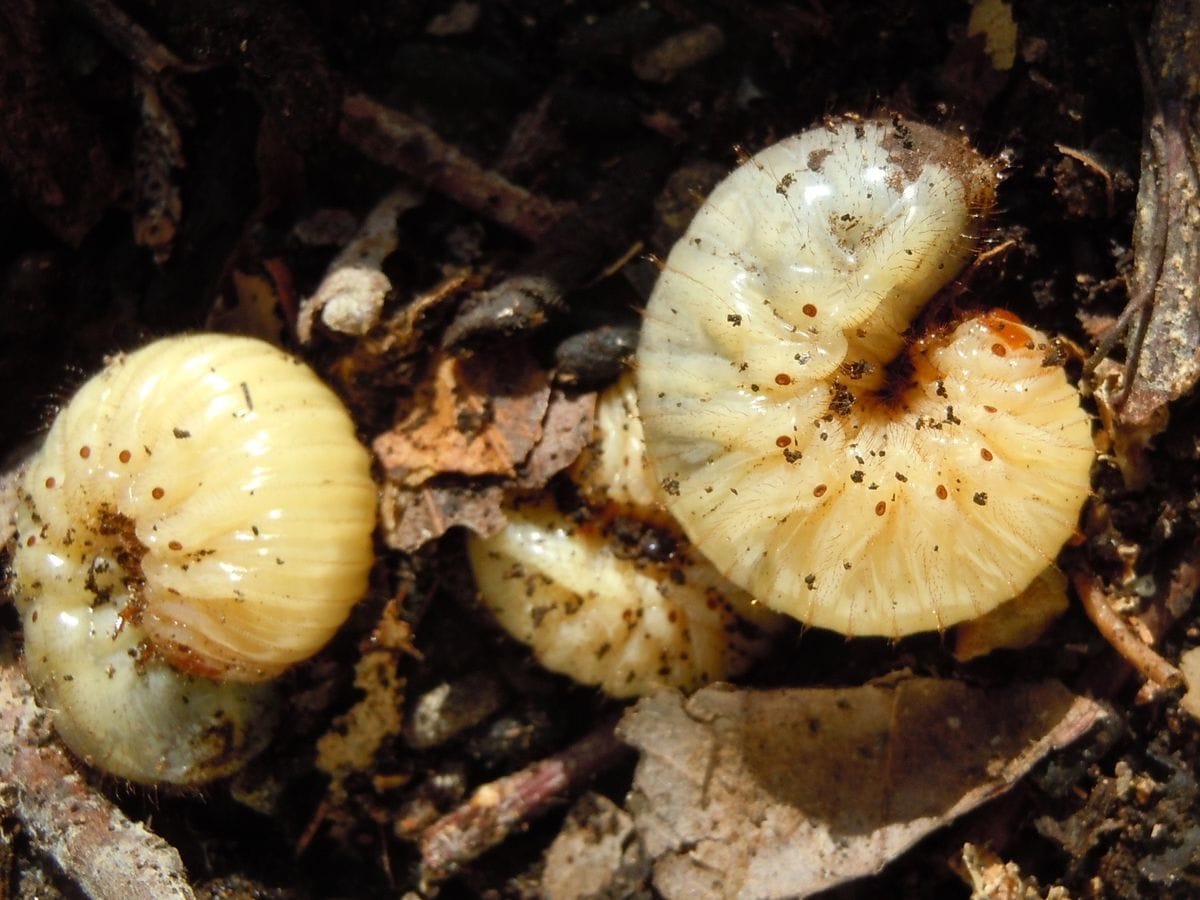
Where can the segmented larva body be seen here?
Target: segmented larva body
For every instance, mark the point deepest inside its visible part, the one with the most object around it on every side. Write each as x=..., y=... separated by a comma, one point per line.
x=202, y=502
x=825, y=460
x=614, y=596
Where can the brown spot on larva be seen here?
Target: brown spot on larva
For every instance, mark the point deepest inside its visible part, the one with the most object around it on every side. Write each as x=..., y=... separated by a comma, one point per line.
x=811, y=581
x=880, y=508
x=734, y=318
x=999, y=350
x=809, y=310
x=158, y=493
x=986, y=454
x=175, y=545
x=990, y=409
x=819, y=490
x=50, y=482
x=30, y=541
x=857, y=476
x=783, y=441
x=85, y=451
x=941, y=492
x=783, y=379
x=124, y=456
x=901, y=477
x=980, y=498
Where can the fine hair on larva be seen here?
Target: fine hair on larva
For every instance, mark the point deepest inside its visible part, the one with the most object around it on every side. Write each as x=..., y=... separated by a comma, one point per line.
x=840, y=464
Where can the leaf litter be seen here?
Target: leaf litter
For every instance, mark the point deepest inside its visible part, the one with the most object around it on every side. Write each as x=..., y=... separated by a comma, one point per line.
x=781, y=793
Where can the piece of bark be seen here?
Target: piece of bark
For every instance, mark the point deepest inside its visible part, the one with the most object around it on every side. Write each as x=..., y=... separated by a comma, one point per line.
x=158, y=154
x=350, y=297
x=1165, y=356
x=783, y=793
x=90, y=840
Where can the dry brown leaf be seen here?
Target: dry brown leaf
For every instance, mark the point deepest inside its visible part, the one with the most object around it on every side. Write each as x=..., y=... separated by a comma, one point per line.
x=596, y=854
x=787, y=792
x=414, y=515
x=565, y=432
x=475, y=416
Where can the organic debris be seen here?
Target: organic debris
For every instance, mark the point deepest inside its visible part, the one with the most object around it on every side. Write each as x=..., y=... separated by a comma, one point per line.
x=787, y=792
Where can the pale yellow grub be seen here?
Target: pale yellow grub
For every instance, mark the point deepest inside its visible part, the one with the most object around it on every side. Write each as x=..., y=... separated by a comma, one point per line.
x=837, y=469
x=203, y=502
x=615, y=596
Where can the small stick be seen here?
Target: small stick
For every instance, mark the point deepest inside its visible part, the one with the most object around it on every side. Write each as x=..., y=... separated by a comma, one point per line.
x=1123, y=639
x=390, y=137
x=90, y=840
x=496, y=809
x=132, y=40
x=1089, y=161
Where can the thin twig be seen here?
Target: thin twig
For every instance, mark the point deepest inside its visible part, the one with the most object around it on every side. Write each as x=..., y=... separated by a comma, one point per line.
x=1089, y=161
x=390, y=137
x=132, y=40
x=90, y=840
x=499, y=807
x=1123, y=639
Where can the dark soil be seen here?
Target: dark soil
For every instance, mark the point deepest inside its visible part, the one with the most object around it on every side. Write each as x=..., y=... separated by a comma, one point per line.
x=560, y=98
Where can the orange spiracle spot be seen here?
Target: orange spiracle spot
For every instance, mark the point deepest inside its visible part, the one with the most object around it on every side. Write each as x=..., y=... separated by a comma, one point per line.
x=1008, y=328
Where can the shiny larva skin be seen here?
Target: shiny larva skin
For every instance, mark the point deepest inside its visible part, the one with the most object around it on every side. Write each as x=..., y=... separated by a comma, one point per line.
x=838, y=469
x=140, y=719
x=230, y=478
x=628, y=622
x=199, y=518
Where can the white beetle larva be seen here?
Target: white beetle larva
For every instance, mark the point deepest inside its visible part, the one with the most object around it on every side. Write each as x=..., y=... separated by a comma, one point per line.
x=201, y=509
x=839, y=469
x=615, y=596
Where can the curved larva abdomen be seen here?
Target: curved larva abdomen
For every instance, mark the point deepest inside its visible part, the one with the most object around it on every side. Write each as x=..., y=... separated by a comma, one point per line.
x=824, y=461
x=594, y=602
x=214, y=489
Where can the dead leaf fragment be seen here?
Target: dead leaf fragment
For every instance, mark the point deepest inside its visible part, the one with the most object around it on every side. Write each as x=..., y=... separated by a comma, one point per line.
x=596, y=854
x=412, y=517
x=566, y=431
x=475, y=416
x=786, y=792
